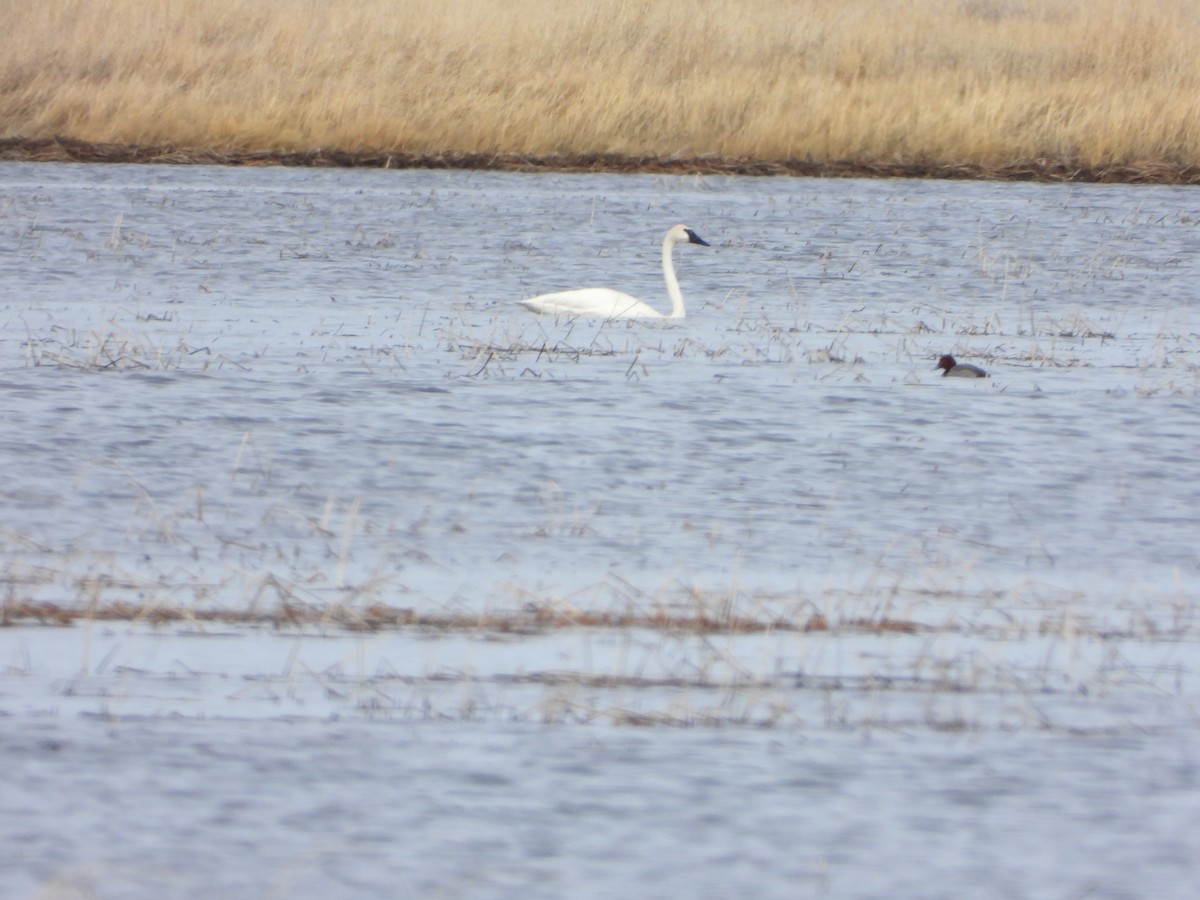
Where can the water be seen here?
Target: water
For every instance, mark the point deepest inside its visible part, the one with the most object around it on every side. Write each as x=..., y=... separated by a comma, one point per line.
x=231, y=388
x=296, y=809
x=315, y=363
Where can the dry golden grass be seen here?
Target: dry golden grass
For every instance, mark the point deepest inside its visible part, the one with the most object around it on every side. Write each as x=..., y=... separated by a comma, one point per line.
x=1087, y=82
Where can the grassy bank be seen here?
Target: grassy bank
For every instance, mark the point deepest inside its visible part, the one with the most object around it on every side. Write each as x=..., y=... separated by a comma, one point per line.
x=1075, y=84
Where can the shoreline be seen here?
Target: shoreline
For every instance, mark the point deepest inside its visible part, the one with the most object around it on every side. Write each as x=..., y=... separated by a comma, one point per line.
x=376, y=617
x=66, y=150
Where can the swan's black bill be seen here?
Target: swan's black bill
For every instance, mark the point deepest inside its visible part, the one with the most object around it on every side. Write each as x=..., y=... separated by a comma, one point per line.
x=695, y=238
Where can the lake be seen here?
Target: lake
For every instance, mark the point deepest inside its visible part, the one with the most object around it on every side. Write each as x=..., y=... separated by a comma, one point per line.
x=888, y=633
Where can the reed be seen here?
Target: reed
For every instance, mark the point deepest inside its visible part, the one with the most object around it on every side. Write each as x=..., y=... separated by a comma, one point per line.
x=1088, y=82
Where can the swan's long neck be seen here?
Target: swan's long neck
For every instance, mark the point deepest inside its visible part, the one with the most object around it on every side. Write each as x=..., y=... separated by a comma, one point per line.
x=677, y=311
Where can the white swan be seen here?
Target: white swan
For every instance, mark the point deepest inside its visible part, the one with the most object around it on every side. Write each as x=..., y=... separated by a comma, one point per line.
x=606, y=303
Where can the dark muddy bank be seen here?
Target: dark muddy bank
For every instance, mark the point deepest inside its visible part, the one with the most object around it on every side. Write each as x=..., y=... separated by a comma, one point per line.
x=70, y=150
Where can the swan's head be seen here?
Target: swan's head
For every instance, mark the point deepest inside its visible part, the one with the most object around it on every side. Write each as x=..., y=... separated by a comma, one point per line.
x=681, y=234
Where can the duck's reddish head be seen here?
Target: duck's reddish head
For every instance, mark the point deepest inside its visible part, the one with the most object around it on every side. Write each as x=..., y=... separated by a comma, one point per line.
x=949, y=366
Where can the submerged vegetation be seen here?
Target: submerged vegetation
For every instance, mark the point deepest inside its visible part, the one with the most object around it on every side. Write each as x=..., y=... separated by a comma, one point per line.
x=1098, y=90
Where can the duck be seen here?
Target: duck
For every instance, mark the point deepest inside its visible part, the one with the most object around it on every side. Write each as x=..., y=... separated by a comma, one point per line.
x=959, y=370
x=607, y=303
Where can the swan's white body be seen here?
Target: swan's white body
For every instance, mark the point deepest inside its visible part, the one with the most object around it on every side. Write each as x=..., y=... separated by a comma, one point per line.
x=606, y=303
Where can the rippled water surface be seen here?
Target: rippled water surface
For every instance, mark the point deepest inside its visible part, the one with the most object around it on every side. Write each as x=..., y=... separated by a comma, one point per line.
x=232, y=389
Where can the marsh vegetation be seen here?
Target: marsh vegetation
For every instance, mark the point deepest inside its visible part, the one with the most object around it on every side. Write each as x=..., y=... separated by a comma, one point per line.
x=1021, y=88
